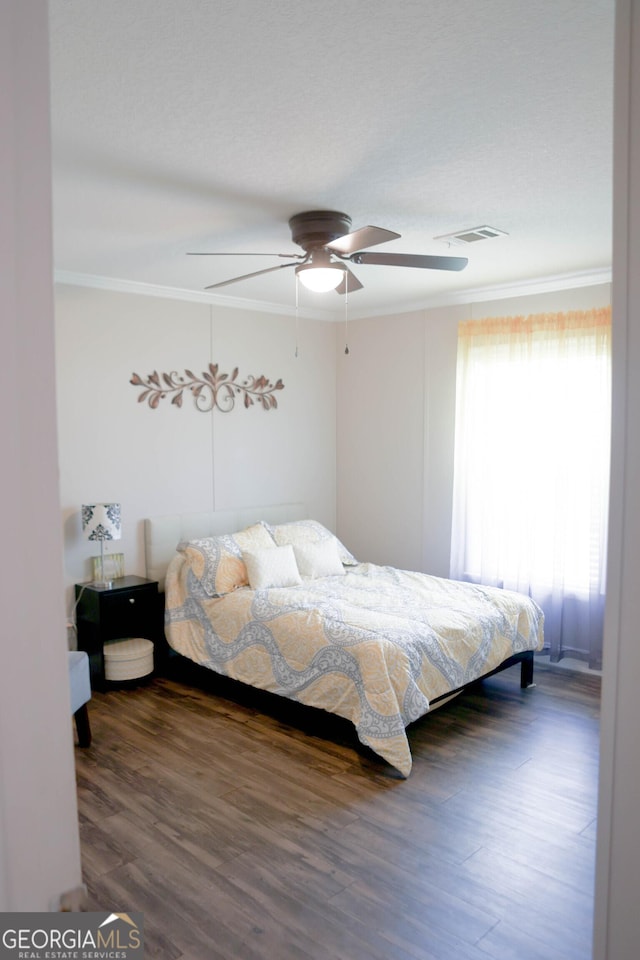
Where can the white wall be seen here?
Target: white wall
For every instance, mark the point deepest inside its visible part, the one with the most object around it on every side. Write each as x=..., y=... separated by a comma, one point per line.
x=617, y=918
x=39, y=846
x=380, y=431
x=386, y=412
x=396, y=418
x=170, y=459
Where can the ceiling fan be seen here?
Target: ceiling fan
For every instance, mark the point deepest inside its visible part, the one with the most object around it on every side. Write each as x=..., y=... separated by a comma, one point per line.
x=329, y=244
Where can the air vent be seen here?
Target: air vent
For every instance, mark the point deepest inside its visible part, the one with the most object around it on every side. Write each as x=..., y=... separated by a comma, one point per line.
x=463, y=237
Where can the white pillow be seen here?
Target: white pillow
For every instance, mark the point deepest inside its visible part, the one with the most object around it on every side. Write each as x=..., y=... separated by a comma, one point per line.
x=320, y=559
x=273, y=567
x=308, y=531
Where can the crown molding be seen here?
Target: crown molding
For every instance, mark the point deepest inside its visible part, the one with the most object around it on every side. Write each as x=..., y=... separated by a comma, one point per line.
x=525, y=288
x=115, y=285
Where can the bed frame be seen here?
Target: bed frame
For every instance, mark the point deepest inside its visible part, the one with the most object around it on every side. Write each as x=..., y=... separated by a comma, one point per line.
x=163, y=533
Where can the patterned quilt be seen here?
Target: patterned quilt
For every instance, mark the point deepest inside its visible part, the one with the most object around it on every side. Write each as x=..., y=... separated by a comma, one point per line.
x=375, y=645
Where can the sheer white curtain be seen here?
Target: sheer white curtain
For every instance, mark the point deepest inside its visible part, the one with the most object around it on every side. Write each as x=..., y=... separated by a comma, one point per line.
x=531, y=477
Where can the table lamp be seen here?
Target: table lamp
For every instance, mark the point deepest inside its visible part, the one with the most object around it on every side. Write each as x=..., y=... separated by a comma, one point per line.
x=101, y=521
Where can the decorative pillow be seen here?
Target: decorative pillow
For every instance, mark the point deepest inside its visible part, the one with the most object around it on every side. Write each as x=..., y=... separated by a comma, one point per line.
x=321, y=559
x=273, y=567
x=216, y=562
x=308, y=531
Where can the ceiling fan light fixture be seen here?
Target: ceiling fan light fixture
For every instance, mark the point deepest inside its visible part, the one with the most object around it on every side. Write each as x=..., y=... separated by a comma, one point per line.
x=320, y=279
x=321, y=273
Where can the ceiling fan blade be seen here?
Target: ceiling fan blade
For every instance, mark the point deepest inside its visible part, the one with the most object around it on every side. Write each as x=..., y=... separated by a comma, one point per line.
x=364, y=237
x=349, y=282
x=206, y=253
x=410, y=260
x=247, y=276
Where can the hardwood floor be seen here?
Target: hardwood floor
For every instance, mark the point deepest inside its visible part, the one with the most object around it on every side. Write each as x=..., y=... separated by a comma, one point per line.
x=248, y=828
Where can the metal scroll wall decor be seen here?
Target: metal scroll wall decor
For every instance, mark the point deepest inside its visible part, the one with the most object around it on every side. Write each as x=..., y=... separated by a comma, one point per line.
x=212, y=389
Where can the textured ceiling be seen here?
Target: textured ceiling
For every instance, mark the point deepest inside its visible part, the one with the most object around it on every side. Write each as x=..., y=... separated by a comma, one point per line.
x=206, y=124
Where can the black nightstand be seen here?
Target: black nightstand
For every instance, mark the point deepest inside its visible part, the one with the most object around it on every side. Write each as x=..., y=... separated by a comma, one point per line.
x=130, y=608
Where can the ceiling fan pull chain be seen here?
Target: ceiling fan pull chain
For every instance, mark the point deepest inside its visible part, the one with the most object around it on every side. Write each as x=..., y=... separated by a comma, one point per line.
x=346, y=315
x=297, y=324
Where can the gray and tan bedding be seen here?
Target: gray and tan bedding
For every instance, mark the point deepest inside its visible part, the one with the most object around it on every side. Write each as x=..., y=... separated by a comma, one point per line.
x=286, y=608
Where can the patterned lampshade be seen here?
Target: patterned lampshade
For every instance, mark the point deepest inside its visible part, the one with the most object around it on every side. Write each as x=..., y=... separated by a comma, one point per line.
x=101, y=521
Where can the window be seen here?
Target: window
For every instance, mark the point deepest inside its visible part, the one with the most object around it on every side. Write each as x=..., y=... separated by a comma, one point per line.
x=533, y=412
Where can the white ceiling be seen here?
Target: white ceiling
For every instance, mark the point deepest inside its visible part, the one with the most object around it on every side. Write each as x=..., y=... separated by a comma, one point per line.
x=206, y=124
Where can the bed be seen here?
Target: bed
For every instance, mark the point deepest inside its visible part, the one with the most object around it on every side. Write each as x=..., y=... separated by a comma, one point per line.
x=273, y=599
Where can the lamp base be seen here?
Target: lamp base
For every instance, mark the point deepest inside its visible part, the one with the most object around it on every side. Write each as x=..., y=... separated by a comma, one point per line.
x=103, y=584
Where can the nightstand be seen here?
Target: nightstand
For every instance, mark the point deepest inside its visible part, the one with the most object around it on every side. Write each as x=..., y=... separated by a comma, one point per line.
x=130, y=608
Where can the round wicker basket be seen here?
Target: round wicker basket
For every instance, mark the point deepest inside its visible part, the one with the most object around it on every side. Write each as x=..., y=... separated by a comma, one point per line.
x=128, y=659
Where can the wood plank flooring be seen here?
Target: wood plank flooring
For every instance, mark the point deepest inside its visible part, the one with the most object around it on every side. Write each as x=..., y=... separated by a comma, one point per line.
x=244, y=828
